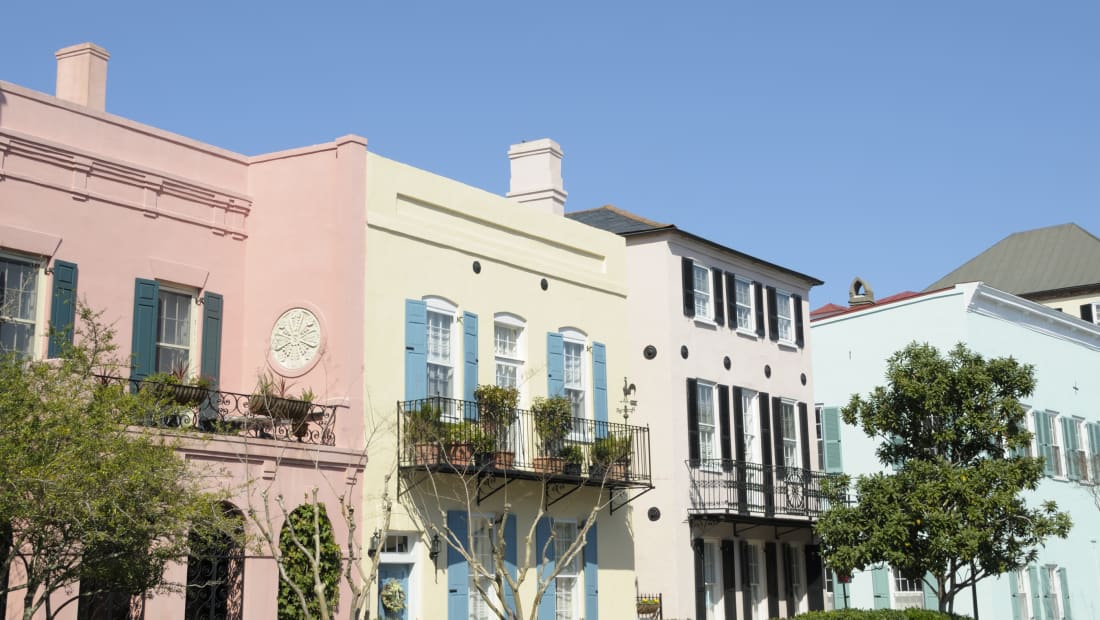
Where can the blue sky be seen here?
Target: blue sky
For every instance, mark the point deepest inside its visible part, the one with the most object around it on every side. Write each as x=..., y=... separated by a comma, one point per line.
x=889, y=139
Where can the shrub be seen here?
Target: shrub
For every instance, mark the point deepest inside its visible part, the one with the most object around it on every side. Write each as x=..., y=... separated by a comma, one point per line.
x=879, y=614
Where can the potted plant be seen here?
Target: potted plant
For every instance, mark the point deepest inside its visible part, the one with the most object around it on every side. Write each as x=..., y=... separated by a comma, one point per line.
x=553, y=423
x=422, y=434
x=611, y=456
x=648, y=606
x=572, y=457
x=176, y=386
x=496, y=408
x=272, y=398
x=462, y=440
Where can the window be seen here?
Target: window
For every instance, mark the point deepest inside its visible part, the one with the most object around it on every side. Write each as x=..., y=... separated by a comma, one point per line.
x=398, y=543
x=907, y=592
x=1075, y=448
x=820, y=438
x=790, y=434
x=1055, y=591
x=507, y=349
x=794, y=573
x=785, y=314
x=440, y=350
x=573, y=353
x=174, y=331
x=711, y=579
x=703, y=305
x=1021, y=595
x=482, y=530
x=756, y=590
x=18, y=305
x=708, y=425
x=744, y=300
x=1055, y=444
x=748, y=424
x=566, y=592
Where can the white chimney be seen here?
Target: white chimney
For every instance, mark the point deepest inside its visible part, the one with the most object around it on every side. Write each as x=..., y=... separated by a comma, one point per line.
x=536, y=175
x=82, y=75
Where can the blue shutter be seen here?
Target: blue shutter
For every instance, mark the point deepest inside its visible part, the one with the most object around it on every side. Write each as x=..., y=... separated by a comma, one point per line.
x=599, y=387
x=591, y=575
x=458, y=572
x=510, y=559
x=839, y=601
x=544, y=554
x=830, y=429
x=1065, y=594
x=469, y=357
x=1036, y=594
x=62, y=307
x=416, y=349
x=880, y=583
x=1014, y=592
x=144, y=337
x=211, y=363
x=931, y=597
x=555, y=365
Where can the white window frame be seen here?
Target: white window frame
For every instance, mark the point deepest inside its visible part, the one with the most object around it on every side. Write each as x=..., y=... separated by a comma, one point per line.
x=1096, y=313
x=192, y=327
x=792, y=440
x=1055, y=591
x=442, y=308
x=40, y=333
x=1023, y=592
x=710, y=451
x=739, y=304
x=1057, y=444
x=514, y=360
x=785, y=299
x=576, y=391
x=905, y=593
x=478, y=606
x=712, y=579
x=749, y=424
x=1082, y=453
x=569, y=573
x=703, y=309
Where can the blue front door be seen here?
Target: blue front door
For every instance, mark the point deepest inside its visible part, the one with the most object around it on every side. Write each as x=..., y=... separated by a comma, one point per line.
x=400, y=574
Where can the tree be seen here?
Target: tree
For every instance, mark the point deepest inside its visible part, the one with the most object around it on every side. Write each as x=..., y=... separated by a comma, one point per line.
x=307, y=535
x=86, y=497
x=952, y=513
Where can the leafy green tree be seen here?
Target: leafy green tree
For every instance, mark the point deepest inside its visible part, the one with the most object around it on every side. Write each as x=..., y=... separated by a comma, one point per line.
x=86, y=496
x=952, y=512
x=307, y=540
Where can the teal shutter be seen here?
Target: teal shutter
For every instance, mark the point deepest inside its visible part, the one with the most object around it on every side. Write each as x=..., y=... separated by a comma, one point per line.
x=838, y=592
x=469, y=360
x=62, y=307
x=1094, y=448
x=1043, y=441
x=830, y=428
x=555, y=365
x=416, y=349
x=510, y=559
x=931, y=597
x=591, y=575
x=1048, y=601
x=458, y=571
x=1036, y=594
x=211, y=361
x=144, y=337
x=1064, y=581
x=880, y=582
x=1014, y=592
x=544, y=552
x=599, y=388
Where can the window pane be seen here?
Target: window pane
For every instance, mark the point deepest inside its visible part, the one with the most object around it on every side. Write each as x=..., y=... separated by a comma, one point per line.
x=744, y=304
x=505, y=341
x=702, y=291
x=506, y=375
x=574, y=364
x=439, y=337
x=18, y=301
x=783, y=311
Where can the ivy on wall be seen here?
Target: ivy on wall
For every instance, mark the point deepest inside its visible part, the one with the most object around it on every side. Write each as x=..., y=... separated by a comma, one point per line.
x=298, y=533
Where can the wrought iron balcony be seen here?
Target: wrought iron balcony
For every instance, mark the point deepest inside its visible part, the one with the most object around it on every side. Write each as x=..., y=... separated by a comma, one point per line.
x=448, y=435
x=727, y=487
x=199, y=409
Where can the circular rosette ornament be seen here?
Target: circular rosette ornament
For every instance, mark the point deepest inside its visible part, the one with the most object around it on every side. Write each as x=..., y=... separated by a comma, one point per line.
x=295, y=339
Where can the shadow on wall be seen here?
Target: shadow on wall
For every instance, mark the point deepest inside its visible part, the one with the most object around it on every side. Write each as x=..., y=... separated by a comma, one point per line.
x=3, y=101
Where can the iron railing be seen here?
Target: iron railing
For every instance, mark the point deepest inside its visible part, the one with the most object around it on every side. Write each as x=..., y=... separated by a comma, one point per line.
x=231, y=413
x=723, y=486
x=650, y=606
x=446, y=433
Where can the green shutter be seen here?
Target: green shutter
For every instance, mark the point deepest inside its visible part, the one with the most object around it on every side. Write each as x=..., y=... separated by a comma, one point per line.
x=1064, y=582
x=1014, y=596
x=1094, y=448
x=880, y=583
x=839, y=601
x=144, y=336
x=830, y=428
x=1043, y=441
x=931, y=596
x=211, y=360
x=1036, y=594
x=62, y=307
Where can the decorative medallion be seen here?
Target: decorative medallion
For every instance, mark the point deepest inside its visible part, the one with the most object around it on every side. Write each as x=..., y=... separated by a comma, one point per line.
x=295, y=338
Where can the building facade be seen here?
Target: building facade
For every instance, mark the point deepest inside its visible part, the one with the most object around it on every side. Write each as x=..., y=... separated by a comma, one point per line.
x=720, y=355
x=851, y=347
x=198, y=257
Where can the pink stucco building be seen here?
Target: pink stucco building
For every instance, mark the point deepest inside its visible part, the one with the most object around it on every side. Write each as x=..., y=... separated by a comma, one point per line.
x=222, y=264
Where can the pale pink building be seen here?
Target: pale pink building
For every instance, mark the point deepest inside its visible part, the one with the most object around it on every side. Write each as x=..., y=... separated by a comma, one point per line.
x=220, y=263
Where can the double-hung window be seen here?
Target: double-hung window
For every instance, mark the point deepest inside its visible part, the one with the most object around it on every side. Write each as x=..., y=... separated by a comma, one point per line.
x=708, y=425
x=1055, y=444
x=704, y=307
x=744, y=301
x=573, y=345
x=820, y=438
x=789, y=429
x=174, y=331
x=784, y=310
x=907, y=592
x=440, y=349
x=18, y=305
x=507, y=349
x=748, y=423
x=794, y=572
x=482, y=534
x=712, y=578
x=566, y=590
x=756, y=590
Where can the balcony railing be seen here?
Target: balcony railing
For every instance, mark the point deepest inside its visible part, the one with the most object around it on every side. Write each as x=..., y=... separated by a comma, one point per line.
x=230, y=413
x=722, y=486
x=451, y=437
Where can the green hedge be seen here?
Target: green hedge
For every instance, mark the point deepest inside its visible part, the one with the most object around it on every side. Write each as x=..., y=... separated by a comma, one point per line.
x=879, y=614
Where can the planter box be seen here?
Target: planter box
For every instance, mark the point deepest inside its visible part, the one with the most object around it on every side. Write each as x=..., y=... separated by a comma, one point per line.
x=460, y=454
x=425, y=453
x=548, y=464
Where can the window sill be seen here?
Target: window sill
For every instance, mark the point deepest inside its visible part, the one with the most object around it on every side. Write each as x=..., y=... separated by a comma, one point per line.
x=787, y=346
x=704, y=322
x=747, y=333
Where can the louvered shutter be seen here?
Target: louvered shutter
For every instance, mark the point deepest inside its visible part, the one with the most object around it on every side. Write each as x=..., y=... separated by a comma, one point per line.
x=771, y=568
x=1064, y=582
x=1069, y=437
x=687, y=270
x=469, y=361
x=510, y=564
x=799, y=337
x=758, y=299
x=804, y=439
x=416, y=349
x=555, y=365
x=546, y=555
x=1014, y=594
x=62, y=307
x=773, y=315
x=830, y=428
x=591, y=575
x=458, y=570
x=724, y=423
x=718, y=297
x=731, y=300
x=599, y=388
x=880, y=586
x=693, y=420
x=211, y=356
x=144, y=336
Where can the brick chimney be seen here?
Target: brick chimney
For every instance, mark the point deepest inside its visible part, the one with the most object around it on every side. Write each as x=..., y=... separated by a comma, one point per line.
x=82, y=75
x=536, y=175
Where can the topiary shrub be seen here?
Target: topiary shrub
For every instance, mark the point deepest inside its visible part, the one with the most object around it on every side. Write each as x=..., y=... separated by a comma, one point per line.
x=879, y=614
x=298, y=567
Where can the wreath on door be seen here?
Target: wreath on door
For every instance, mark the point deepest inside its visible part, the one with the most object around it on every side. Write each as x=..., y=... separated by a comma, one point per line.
x=393, y=596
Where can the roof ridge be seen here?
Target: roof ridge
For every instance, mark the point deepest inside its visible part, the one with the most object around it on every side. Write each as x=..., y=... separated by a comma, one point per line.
x=623, y=212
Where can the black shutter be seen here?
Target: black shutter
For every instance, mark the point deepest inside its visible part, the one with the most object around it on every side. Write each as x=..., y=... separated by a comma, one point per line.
x=693, y=421
x=738, y=425
x=766, y=453
x=729, y=587
x=700, y=586
x=799, y=339
x=772, y=570
x=1086, y=312
x=719, y=297
x=773, y=316
x=758, y=292
x=746, y=582
x=724, y=423
x=687, y=267
x=777, y=435
x=804, y=430
x=731, y=300
x=815, y=586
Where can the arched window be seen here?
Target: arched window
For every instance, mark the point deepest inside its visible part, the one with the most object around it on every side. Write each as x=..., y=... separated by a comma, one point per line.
x=215, y=576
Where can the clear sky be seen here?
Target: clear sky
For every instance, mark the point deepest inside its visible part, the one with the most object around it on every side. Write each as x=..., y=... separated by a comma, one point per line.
x=887, y=139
